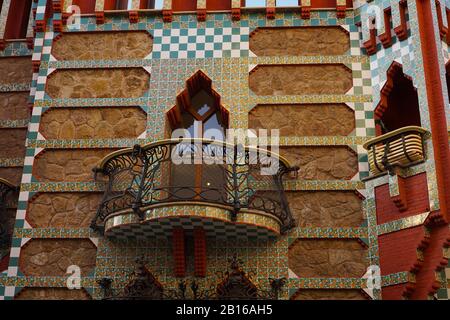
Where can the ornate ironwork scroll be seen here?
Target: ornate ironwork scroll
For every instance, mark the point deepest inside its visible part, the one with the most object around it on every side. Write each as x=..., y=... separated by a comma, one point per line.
x=234, y=285
x=194, y=170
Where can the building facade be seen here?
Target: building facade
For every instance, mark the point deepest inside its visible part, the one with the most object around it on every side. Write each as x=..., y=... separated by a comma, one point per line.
x=93, y=93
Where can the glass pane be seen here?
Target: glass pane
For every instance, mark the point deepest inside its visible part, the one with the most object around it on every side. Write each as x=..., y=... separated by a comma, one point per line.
x=214, y=123
x=158, y=4
x=255, y=3
x=202, y=102
x=286, y=3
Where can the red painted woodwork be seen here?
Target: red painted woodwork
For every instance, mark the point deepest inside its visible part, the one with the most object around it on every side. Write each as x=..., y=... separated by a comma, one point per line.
x=17, y=21
x=200, y=252
x=416, y=195
x=86, y=6
x=371, y=44
x=442, y=29
x=109, y=5
x=179, y=258
x=447, y=13
x=218, y=4
x=329, y=4
x=402, y=30
x=184, y=5
x=147, y=4
x=386, y=37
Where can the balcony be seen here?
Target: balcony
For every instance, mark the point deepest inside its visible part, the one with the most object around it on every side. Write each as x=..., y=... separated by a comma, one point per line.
x=403, y=147
x=227, y=190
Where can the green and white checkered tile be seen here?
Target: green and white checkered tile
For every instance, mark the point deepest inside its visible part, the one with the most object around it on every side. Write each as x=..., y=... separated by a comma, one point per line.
x=200, y=43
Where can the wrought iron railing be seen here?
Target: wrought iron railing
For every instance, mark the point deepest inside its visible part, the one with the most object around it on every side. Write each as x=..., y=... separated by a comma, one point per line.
x=194, y=170
x=7, y=200
x=402, y=147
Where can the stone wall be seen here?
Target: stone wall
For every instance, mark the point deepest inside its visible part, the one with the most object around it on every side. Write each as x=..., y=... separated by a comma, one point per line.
x=67, y=165
x=103, y=45
x=98, y=83
x=269, y=80
x=300, y=41
x=51, y=257
x=12, y=174
x=63, y=210
x=317, y=258
x=322, y=163
x=93, y=123
x=304, y=120
x=52, y=294
x=14, y=106
x=326, y=208
x=16, y=70
x=330, y=294
x=12, y=143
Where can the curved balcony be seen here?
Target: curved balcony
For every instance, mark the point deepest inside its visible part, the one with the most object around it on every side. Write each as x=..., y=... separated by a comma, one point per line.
x=228, y=190
x=403, y=147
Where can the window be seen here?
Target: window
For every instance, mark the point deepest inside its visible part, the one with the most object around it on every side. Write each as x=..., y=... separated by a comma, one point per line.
x=199, y=111
x=254, y=3
x=152, y=4
x=287, y=3
x=399, y=105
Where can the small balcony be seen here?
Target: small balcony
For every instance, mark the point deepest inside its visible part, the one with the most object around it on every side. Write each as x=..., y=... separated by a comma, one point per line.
x=227, y=190
x=403, y=147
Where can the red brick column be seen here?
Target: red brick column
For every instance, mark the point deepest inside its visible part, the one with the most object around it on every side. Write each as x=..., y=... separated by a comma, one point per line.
x=178, y=252
x=436, y=105
x=200, y=252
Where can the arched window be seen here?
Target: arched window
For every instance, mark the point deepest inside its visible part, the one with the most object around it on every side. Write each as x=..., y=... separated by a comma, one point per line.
x=399, y=103
x=199, y=111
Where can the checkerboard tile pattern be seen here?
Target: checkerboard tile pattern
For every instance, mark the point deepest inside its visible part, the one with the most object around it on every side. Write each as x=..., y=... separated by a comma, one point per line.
x=162, y=228
x=200, y=43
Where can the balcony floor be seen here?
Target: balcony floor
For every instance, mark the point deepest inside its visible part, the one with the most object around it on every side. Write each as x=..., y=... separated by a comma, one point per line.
x=159, y=222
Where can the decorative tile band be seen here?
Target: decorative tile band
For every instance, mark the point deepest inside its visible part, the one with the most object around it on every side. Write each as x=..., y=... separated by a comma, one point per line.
x=326, y=283
x=300, y=185
x=90, y=102
x=359, y=232
x=125, y=143
x=61, y=187
x=309, y=99
x=401, y=224
x=33, y=281
x=45, y=233
x=11, y=162
x=96, y=187
x=308, y=59
x=15, y=87
x=23, y=123
x=89, y=64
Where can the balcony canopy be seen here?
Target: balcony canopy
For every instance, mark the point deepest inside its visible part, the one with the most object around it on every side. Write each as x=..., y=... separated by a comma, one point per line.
x=227, y=190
